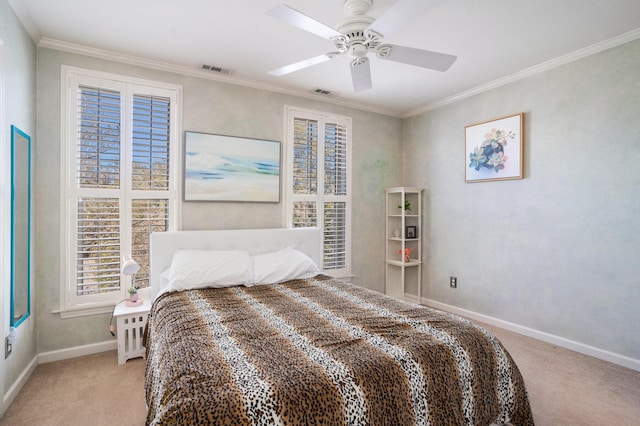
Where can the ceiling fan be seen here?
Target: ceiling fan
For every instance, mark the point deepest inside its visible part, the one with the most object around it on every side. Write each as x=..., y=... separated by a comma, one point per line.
x=360, y=34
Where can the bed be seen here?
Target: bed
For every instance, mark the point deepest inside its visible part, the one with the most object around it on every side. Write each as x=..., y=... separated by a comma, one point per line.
x=307, y=350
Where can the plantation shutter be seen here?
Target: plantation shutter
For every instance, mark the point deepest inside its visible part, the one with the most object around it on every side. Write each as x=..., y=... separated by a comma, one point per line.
x=123, y=185
x=305, y=156
x=335, y=159
x=335, y=189
x=305, y=173
x=98, y=138
x=150, y=215
x=98, y=168
x=150, y=171
x=151, y=133
x=319, y=183
x=98, y=246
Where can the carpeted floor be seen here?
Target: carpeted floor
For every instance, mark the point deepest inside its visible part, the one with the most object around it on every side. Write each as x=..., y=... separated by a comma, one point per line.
x=565, y=388
x=87, y=391
x=568, y=388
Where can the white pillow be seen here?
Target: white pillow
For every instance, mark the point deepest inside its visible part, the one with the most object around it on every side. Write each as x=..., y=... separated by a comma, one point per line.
x=164, y=277
x=282, y=265
x=192, y=269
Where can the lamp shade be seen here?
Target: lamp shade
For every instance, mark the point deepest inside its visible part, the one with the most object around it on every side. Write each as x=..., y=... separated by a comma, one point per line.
x=129, y=266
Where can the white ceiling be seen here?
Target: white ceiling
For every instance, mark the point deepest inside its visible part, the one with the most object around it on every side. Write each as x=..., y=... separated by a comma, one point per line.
x=493, y=40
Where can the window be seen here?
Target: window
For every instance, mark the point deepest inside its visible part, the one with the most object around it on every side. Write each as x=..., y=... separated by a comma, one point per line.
x=120, y=152
x=319, y=182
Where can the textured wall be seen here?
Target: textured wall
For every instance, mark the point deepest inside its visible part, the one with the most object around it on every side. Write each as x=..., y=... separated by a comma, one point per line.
x=19, y=68
x=554, y=252
x=557, y=251
x=211, y=107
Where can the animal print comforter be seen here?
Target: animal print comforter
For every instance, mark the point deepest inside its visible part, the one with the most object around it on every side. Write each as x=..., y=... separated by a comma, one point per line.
x=322, y=352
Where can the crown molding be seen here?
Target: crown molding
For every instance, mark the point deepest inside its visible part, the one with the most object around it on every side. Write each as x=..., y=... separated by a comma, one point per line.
x=188, y=71
x=25, y=18
x=184, y=70
x=528, y=72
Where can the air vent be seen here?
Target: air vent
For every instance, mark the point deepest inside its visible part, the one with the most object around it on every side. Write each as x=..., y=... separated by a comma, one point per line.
x=322, y=92
x=213, y=68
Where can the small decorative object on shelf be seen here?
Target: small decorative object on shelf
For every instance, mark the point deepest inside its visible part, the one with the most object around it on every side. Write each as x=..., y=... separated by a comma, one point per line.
x=407, y=206
x=133, y=294
x=134, y=299
x=411, y=232
x=130, y=304
x=396, y=233
x=407, y=253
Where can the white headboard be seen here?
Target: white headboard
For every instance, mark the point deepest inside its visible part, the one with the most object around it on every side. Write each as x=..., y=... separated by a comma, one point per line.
x=255, y=241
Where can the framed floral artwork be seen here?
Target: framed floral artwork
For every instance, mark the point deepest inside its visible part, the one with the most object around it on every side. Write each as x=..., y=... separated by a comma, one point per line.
x=494, y=149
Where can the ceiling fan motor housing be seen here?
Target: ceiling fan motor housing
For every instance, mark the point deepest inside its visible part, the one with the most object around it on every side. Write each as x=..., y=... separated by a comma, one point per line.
x=357, y=40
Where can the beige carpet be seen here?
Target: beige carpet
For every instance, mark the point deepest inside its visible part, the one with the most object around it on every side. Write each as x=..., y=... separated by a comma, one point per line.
x=88, y=391
x=568, y=388
x=565, y=388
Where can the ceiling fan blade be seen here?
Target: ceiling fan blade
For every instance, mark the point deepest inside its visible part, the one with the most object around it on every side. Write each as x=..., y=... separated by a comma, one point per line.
x=361, y=76
x=300, y=20
x=420, y=58
x=287, y=69
x=398, y=15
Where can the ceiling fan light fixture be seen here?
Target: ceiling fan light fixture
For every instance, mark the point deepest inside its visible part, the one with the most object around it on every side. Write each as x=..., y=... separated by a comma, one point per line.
x=358, y=51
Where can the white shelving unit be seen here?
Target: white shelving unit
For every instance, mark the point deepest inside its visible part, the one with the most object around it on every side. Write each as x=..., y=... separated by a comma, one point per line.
x=403, y=278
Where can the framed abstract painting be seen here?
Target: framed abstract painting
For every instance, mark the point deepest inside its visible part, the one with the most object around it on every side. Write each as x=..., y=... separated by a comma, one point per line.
x=494, y=149
x=229, y=168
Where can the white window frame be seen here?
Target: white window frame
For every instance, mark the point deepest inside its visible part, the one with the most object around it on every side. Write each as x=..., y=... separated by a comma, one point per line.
x=292, y=112
x=72, y=305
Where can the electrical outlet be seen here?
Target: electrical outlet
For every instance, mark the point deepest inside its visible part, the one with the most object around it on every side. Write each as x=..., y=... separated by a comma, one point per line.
x=453, y=282
x=8, y=347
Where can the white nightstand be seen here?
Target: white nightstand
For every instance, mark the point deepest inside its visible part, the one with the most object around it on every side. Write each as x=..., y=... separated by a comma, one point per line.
x=130, y=323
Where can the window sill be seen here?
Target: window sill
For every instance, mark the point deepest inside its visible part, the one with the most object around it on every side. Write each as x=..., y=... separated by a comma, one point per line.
x=83, y=312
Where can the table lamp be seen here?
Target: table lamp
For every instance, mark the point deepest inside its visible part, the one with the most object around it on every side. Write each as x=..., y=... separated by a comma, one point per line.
x=131, y=267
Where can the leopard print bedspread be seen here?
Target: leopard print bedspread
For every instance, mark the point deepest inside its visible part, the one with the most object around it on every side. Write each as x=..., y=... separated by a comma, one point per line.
x=322, y=352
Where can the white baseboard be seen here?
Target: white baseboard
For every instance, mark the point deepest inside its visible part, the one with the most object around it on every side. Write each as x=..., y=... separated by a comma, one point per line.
x=615, y=358
x=77, y=351
x=13, y=391
x=111, y=345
